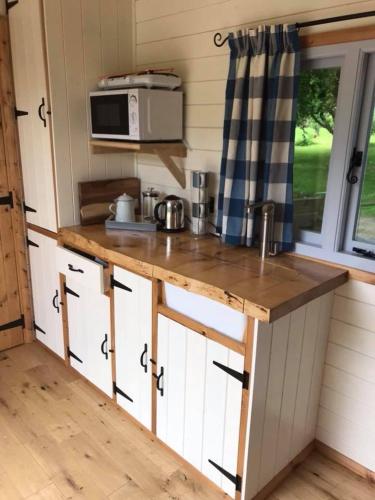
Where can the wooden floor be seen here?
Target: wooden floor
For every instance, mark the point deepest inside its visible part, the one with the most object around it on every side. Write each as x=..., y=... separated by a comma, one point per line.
x=59, y=438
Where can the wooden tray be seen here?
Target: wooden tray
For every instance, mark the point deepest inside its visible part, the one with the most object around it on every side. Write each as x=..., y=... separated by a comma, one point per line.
x=96, y=196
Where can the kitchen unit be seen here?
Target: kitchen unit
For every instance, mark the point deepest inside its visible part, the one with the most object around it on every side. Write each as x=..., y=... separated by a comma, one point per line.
x=215, y=352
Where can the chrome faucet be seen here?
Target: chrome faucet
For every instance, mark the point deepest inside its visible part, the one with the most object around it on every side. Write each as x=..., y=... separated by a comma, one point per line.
x=267, y=245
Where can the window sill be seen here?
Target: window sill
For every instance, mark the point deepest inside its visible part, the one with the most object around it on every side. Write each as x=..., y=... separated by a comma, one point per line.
x=360, y=268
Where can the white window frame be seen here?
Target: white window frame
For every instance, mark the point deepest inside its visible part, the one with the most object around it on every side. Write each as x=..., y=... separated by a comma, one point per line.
x=330, y=246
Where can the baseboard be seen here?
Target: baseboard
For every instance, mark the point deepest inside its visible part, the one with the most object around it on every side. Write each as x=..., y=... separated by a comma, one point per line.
x=346, y=462
x=266, y=491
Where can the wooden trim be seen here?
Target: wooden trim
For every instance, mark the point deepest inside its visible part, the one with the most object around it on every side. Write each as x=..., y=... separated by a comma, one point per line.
x=273, y=484
x=346, y=462
x=250, y=330
x=113, y=331
x=41, y=230
x=64, y=318
x=156, y=297
x=338, y=36
x=13, y=161
x=206, y=331
x=354, y=274
x=49, y=115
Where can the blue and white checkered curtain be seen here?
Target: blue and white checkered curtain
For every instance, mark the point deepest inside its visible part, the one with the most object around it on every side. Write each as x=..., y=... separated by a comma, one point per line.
x=259, y=126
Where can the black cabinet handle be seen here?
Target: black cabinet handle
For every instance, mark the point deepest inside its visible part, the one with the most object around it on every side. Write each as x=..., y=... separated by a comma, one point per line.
x=41, y=114
x=142, y=359
x=158, y=381
x=103, y=346
x=74, y=270
x=54, y=301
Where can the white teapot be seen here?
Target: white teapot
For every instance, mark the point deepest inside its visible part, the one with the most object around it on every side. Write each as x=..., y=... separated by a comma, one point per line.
x=123, y=208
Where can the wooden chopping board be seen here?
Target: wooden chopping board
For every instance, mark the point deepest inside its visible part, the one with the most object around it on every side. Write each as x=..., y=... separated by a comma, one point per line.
x=96, y=196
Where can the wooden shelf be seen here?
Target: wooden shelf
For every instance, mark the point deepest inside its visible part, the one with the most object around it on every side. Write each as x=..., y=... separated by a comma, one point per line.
x=164, y=150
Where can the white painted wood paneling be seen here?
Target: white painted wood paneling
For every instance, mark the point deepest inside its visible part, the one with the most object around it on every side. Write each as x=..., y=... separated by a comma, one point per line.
x=347, y=402
x=27, y=42
x=199, y=413
x=45, y=287
x=89, y=334
x=133, y=318
x=288, y=364
x=85, y=40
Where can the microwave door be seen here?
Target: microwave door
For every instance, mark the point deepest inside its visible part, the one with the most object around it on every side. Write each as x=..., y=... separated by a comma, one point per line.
x=110, y=116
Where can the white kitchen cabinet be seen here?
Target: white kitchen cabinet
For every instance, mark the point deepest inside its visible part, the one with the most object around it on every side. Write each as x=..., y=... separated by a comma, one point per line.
x=89, y=333
x=30, y=81
x=133, y=327
x=199, y=401
x=46, y=291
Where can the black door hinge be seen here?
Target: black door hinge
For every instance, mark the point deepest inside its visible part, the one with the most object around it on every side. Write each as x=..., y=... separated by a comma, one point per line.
x=355, y=162
x=72, y=355
x=69, y=290
x=365, y=253
x=28, y=209
x=243, y=377
x=13, y=324
x=115, y=283
x=38, y=329
x=30, y=243
x=7, y=200
x=9, y=4
x=237, y=480
x=19, y=112
x=117, y=390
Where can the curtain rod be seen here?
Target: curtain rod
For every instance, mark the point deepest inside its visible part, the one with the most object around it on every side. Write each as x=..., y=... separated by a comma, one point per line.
x=219, y=41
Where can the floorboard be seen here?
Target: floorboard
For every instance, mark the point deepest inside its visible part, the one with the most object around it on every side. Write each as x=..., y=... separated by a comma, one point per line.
x=60, y=439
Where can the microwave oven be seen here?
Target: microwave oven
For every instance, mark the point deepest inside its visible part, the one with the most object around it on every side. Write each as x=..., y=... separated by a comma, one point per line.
x=137, y=114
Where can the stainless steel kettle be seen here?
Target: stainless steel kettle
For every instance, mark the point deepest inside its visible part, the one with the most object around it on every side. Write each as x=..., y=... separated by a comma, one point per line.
x=174, y=217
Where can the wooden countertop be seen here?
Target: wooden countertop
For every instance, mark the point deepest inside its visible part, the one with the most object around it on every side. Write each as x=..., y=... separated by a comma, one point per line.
x=232, y=275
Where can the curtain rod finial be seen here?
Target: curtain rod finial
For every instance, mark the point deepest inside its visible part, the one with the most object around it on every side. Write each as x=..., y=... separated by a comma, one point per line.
x=219, y=41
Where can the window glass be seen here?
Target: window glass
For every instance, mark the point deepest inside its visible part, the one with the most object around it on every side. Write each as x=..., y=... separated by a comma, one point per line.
x=365, y=224
x=316, y=111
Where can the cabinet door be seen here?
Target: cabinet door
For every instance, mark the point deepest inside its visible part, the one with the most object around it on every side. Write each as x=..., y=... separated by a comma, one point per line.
x=133, y=327
x=46, y=291
x=199, y=402
x=30, y=82
x=89, y=334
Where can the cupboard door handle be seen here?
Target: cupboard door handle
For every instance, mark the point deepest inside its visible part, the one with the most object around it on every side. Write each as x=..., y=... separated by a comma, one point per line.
x=54, y=301
x=75, y=270
x=41, y=115
x=103, y=346
x=158, y=380
x=142, y=359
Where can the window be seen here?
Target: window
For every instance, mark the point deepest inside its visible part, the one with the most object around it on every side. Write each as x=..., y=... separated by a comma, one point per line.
x=334, y=165
x=319, y=83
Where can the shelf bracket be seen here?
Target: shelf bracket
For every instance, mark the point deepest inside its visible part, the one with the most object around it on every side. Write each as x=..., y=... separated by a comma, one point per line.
x=177, y=172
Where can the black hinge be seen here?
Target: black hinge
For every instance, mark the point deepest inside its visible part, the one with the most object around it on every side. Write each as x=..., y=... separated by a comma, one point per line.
x=30, y=243
x=74, y=356
x=28, y=209
x=355, y=162
x=69, y=290
x=19, y=112
x=7, y=200
x=36, y=327
x=13, y=324
x=10, y=4
x=116, y=390
x=115, y=283
x=243, y=377
x=237, y=480
x=365, y=253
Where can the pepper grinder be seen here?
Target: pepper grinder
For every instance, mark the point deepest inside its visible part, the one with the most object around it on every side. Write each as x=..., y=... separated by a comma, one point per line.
x=200, y=202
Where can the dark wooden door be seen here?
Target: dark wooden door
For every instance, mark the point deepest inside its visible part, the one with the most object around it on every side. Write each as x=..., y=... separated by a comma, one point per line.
x=11, y=329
